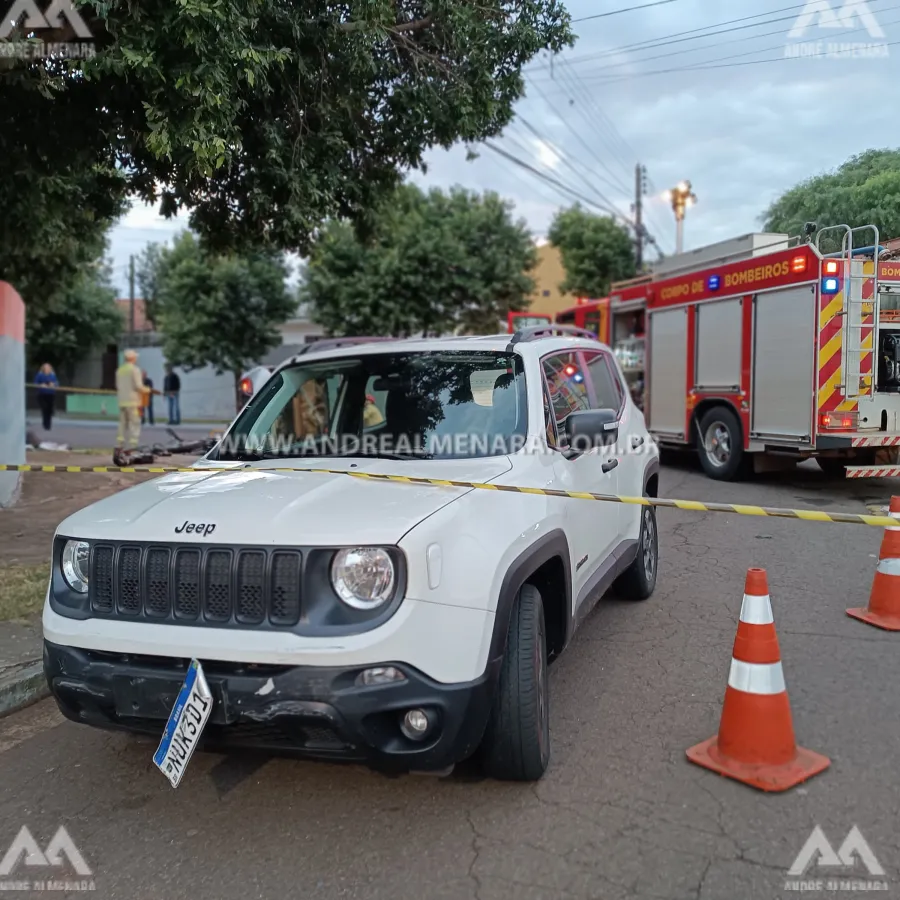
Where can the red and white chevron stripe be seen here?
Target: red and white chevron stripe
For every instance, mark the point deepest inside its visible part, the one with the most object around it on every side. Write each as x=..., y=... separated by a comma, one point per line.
x=873, y=471
x=884, y=441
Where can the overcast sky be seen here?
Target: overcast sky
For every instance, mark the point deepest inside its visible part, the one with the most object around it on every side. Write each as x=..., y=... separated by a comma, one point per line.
x=702, y=90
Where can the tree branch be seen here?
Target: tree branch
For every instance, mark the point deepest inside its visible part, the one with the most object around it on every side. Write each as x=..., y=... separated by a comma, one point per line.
x=417, y=25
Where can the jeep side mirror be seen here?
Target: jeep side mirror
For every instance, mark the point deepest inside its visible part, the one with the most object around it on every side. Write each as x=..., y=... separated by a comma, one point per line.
x=588, y=429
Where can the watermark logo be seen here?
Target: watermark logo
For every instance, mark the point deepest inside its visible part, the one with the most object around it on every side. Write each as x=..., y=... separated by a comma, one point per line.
x=461, y=445
x=842, y=867
x=61, y=854
x=57, y=15
x=852, y=16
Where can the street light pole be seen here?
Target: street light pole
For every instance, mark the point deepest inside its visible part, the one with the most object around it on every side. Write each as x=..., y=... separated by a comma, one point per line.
x=682, y=197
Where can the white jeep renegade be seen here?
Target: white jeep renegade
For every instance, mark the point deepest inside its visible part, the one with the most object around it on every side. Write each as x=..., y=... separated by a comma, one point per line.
x=400, y=624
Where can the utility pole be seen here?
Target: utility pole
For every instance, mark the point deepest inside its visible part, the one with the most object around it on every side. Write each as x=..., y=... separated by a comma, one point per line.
x=131, y=297
x=682, y=197
x=640, y=189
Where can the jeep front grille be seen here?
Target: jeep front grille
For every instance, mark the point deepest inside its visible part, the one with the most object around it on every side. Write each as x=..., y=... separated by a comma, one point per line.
x=196, y=585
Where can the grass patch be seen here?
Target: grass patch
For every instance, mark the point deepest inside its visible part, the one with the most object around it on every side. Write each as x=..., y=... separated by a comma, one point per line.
x=22, y=590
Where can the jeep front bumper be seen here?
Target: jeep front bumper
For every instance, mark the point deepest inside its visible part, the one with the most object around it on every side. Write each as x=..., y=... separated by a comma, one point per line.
x=309, y=711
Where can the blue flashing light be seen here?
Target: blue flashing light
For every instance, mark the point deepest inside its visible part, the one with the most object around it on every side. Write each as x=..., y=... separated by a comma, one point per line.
x=713, y=283
x=830, y=285
x=578, y=378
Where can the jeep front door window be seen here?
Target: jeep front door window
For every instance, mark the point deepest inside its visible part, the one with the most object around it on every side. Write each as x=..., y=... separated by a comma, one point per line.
x=594, y=526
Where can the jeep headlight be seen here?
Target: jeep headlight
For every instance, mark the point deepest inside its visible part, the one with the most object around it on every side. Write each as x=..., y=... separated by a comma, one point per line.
x=363, y=577
x=75, y=558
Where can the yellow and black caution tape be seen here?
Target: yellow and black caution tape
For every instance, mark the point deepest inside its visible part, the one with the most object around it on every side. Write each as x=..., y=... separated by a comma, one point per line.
x=63, y=389
x=740, y=509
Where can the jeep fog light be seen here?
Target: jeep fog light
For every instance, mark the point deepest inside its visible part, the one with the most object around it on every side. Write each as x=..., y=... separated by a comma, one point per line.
x=415, y=724
x=363, y=577
x=75, y=565
x=380, y=675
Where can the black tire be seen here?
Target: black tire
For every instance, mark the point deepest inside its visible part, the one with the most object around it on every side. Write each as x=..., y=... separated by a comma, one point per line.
x=638, y=581
x=721, y=445
x=833, y=466
x=516, y=744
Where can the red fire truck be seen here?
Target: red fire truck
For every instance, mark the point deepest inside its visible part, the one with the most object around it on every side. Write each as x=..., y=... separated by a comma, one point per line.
x=764, y=351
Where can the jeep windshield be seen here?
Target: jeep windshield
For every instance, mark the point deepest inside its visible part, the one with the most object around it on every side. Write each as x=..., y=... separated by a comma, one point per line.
x=431, y=405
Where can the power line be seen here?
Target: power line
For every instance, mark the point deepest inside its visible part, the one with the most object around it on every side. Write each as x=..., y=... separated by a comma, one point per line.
x=617, y=12
x=681, y=36
x=550, y=180
x=721, y=64
x=592, y=153
x=578, y=86
x=522, y=148
x=617, y=143
x=562, y=157
x=733, y=40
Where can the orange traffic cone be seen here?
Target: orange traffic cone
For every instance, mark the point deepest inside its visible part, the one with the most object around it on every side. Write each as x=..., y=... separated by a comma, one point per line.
x=755, y=744
x=884, y=600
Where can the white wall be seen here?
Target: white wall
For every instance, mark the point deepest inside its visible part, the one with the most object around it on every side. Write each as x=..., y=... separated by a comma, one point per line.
x=204, y=395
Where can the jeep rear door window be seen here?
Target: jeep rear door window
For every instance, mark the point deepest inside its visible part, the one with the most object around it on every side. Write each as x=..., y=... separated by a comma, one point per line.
x=447, y=405
x=607, y=389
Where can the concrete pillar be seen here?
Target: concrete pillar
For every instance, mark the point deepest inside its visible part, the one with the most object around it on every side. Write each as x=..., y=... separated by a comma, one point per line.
x=12, y=390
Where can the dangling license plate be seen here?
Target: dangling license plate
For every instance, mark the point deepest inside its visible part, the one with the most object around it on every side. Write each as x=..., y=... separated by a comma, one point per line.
x=187, y=720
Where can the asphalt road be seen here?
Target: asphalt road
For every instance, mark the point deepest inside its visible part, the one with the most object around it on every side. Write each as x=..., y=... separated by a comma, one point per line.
x=102, y=434
x=620, y=814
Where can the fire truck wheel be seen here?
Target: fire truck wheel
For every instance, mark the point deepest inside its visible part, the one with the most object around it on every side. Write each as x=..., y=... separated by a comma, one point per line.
x=721, y=445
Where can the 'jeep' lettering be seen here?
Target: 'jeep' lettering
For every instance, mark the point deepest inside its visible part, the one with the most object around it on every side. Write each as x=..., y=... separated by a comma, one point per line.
x=195, y=528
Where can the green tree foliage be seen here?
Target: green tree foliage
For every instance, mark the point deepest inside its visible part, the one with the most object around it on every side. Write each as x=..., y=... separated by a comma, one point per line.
x=83, y=318
x=220, y=310
x=432, y=263
x=262, y=118
x=595, y=251
x=865, y=190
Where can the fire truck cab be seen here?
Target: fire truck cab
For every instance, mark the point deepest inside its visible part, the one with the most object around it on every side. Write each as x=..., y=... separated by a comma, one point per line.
x=767, y=350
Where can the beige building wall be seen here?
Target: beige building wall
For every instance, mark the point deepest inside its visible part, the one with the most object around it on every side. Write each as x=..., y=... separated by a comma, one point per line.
x=548, y=275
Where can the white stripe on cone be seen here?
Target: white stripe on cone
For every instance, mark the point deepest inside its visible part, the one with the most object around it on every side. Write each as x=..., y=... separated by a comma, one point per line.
x=756, y=678
x=757, y=610
x=888, y=566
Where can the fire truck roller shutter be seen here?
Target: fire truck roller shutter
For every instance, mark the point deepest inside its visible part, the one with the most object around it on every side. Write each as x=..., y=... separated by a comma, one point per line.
x=668, y=372
x=784, y=364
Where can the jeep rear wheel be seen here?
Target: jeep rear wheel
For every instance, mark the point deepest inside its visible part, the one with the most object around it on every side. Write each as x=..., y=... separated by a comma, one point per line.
x=516, y=745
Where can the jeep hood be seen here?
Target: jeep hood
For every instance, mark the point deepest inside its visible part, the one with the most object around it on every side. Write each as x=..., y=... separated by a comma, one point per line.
x=249, y=506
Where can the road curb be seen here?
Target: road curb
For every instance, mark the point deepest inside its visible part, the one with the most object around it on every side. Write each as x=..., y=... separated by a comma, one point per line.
x=22, y=686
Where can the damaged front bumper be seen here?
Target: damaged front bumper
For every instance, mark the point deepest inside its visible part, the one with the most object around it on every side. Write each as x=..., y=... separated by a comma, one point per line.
x=309, y=711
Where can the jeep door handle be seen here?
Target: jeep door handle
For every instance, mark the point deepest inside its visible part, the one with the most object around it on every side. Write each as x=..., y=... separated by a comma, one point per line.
x=636, y=442
x=609, y=466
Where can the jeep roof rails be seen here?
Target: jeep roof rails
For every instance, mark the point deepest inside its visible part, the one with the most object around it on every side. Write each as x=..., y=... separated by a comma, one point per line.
x=335, y=343
x=533, y=332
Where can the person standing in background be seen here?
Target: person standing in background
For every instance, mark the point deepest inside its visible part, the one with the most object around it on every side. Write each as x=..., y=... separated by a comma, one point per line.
x=48, y=382
x=129, y=390
x=172, y=389
x=147, y=399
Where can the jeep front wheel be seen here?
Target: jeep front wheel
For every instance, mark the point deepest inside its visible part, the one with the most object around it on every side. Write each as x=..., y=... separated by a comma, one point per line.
x=516, y=745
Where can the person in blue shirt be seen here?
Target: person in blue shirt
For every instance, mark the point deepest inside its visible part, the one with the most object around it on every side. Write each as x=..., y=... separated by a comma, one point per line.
x=48, y=382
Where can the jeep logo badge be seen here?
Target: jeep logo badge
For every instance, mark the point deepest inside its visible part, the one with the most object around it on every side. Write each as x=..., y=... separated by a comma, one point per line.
x=195, y=528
